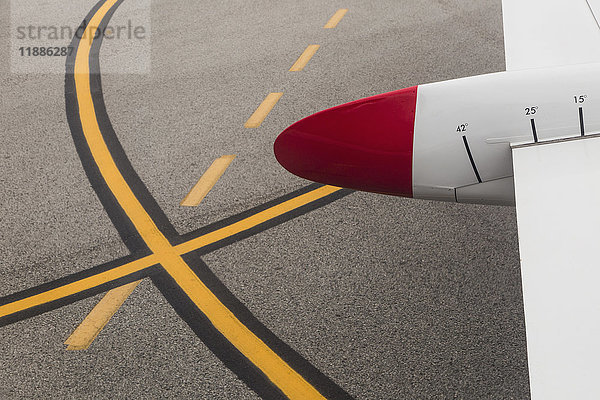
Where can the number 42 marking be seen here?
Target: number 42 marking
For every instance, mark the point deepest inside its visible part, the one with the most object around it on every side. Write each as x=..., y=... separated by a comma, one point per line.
x=462, y=127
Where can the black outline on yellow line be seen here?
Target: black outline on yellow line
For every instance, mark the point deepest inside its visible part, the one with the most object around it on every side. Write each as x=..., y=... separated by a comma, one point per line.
x=264, y=362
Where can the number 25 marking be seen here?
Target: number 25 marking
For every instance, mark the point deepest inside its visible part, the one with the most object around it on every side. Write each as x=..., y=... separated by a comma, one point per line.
x=531, y=110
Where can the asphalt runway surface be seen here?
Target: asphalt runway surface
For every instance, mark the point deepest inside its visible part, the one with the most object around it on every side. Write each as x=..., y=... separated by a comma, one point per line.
x=388, y=298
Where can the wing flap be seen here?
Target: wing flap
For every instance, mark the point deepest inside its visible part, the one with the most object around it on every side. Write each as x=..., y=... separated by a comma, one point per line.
x=557, y=188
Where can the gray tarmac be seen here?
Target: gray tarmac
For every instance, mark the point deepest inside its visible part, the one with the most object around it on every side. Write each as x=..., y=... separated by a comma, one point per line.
x=391, y=298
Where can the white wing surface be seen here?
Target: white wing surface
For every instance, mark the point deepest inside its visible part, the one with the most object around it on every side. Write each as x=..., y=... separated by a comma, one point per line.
x=548, y=33
x=557, y=188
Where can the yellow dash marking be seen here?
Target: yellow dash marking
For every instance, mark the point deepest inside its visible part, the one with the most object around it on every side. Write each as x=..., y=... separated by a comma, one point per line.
x=207, y=181
x=305, y=58
x=91, y=326
x=263, y=110
x=78, y=286
x=337, y=17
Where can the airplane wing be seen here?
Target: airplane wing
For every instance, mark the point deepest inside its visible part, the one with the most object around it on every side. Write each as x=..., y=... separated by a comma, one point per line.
x=558, y=214
x=557, y=190
x=547, y=33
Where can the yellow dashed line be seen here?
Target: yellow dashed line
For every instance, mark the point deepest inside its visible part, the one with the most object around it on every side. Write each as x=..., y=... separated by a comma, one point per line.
x=337, y=17
x=305, y=58
x=91, y=326
x=263, y=110
x=207, y=181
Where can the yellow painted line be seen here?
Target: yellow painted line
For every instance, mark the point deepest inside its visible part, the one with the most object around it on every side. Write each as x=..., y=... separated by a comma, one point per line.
x=78, y=286
x=255, y=219
x=263, y=110
x=336, y=18
x=91, y=130
x=305, y=57
x=183, y=248
x=207, y=181
x=289, y=381
x=91, y=326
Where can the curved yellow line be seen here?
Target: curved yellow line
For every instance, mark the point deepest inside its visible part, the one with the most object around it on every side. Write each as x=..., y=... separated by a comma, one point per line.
x=290, y=382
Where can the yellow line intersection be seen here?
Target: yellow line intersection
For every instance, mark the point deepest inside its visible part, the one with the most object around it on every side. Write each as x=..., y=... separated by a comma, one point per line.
x=123, y=270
